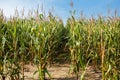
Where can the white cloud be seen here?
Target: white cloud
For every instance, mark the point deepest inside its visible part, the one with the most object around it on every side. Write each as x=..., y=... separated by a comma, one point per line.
x=10, y=6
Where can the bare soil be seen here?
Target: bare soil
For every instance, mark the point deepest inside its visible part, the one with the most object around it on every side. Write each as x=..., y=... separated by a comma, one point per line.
x=61, y=72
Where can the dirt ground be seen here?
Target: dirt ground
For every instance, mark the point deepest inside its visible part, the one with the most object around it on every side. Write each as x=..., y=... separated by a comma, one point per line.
x=60, y=72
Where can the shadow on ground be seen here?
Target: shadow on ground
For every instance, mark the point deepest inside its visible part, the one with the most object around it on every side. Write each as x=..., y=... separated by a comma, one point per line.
x=71, y=78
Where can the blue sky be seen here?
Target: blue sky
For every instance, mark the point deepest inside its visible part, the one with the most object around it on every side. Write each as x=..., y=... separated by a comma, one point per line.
x=62, y=8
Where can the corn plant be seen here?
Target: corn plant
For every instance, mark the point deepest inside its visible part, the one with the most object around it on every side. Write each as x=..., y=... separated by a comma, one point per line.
x=76, y=42
x=39, y=39
x=95, y=41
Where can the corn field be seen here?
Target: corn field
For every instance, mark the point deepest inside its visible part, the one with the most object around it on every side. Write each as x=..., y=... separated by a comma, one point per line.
x=39, y=39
